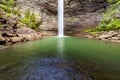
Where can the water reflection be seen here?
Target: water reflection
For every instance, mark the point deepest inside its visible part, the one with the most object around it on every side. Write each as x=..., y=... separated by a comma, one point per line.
x=61, y=46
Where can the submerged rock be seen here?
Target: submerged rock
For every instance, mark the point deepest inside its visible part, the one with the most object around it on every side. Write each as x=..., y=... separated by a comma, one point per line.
x=2, y=47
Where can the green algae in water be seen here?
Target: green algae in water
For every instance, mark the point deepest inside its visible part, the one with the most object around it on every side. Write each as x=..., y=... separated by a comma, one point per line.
x=64, y=58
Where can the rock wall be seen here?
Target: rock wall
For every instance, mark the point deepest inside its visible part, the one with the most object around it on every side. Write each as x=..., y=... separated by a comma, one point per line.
x=78, y=13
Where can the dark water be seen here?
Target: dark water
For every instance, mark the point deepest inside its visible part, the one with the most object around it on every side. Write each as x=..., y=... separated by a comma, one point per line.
x=61, y=59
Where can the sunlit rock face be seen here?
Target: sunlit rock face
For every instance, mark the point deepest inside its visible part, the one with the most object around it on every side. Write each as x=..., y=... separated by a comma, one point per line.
x=78, y=13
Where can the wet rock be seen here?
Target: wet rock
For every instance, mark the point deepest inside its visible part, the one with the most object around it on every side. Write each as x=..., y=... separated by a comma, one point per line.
x=89, y=36
x=118, y=41
x=15, y=39
x=112, y=33
x=115, y=38
x=8, y=34
x=2, y=47
x=24, y=30
x=2, y=38
x=29, y=37
x=107, y=35
x=27, y=34
x=102, y=37
x=118, y=35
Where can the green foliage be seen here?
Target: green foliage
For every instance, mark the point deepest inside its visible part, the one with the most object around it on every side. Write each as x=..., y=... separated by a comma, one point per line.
x=10, y=3
x=17, y=12
x=110, y=1
x=30, y=19
x=112, y=25
x=5, y=8
x=110, y=22
x=3, y=1
x=7, y=5
x=92, y=31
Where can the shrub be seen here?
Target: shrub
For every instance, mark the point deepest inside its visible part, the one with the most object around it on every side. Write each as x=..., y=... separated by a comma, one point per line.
x=110, y=22
x=10, y=3
x=30, y=20
x=7, y=5
x=5, y=8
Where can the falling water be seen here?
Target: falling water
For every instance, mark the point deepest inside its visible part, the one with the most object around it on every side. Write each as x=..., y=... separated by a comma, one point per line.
x=60, y=18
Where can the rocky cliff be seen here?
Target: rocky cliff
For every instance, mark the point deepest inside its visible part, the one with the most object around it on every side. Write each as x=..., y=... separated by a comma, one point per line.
x=78, y=13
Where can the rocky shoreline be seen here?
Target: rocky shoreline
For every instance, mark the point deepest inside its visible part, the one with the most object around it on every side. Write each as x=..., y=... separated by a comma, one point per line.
x=112, y=36
x=11, y=36
x=13, y=31
x=8, y=37
x=109, y=36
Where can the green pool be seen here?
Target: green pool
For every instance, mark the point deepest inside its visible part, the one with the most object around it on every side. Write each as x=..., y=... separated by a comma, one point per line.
x=67, y=58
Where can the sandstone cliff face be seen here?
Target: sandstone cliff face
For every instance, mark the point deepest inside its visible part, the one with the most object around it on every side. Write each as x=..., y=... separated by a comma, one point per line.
x=78, y=13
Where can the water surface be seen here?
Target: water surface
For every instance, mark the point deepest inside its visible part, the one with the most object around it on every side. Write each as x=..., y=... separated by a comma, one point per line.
x=65, y=58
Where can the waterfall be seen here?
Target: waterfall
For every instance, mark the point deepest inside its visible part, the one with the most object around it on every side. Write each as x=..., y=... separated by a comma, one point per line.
x=60, y=18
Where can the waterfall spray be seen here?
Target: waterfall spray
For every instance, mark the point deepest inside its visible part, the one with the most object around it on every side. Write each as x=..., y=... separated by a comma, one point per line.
x=60, y=18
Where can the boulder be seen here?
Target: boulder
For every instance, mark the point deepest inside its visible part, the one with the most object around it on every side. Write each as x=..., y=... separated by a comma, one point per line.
x=27, y=34
x=115, y=38
x=108, y=35
x=112, y=33
x=15, y=39
x=118, y=35
x=2, y=40
x=104, y=36
x=8, y=33
x=89, y=36
x=25, y=30
x=29, y=37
